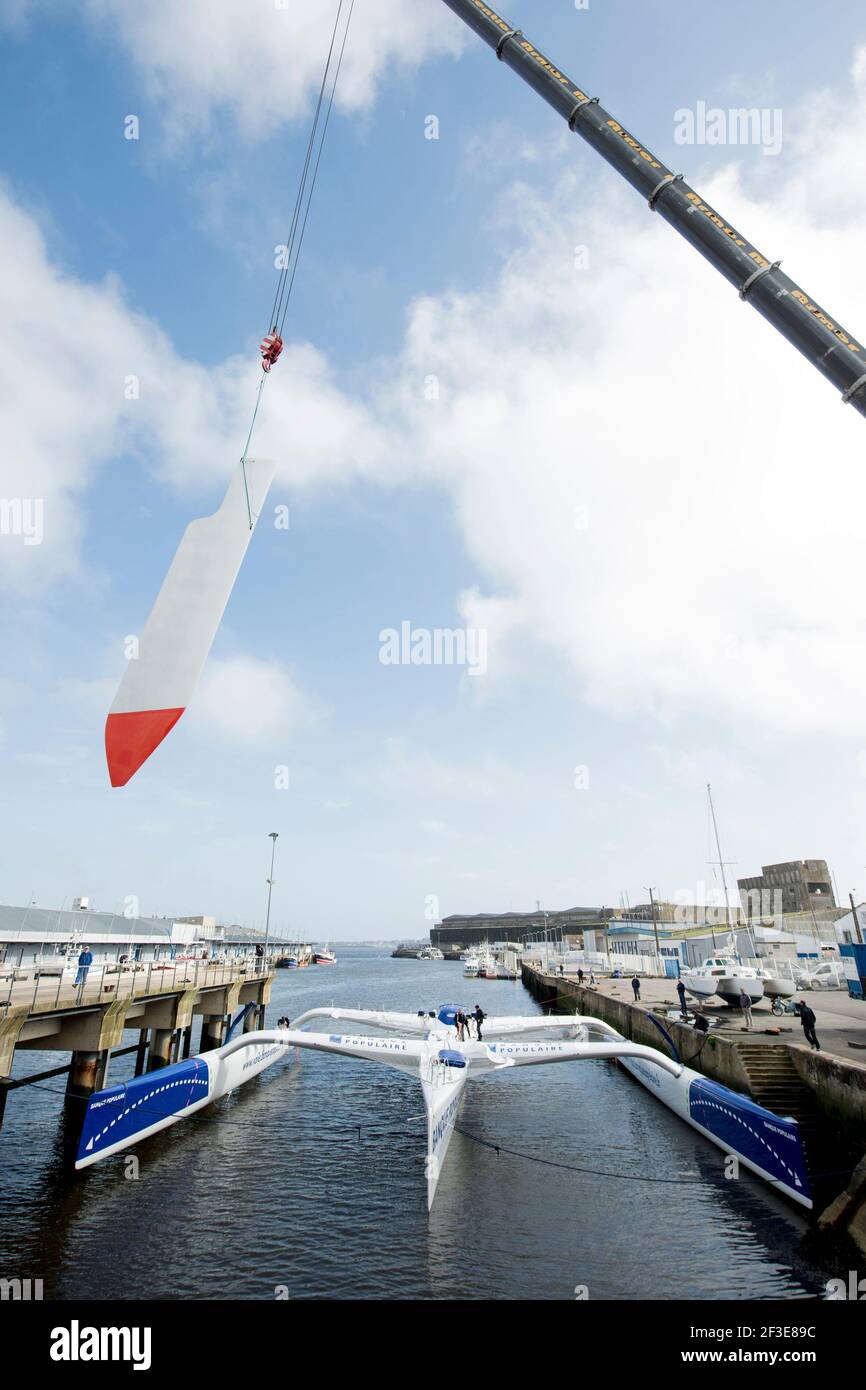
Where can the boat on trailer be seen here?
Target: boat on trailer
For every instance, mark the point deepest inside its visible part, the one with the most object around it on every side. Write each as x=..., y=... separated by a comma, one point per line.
x=425, y=1046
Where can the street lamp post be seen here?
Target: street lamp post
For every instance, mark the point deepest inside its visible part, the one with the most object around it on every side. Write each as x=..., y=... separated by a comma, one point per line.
x=273, y=837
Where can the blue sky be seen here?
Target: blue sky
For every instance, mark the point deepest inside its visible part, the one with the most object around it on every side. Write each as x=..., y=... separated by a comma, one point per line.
x=419, y=785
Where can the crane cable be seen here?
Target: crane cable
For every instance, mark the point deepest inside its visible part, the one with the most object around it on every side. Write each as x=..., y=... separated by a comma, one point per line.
x=304, y=199
x=303, y=204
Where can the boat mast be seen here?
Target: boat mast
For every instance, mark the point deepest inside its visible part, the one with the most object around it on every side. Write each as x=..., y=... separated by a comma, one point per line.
x=721, y=861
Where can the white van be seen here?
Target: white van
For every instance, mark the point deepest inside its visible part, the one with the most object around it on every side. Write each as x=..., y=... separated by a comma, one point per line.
x=829, y=975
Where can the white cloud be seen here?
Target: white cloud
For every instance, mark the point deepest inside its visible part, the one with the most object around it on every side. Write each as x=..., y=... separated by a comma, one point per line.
x=70, y=355
x=261, y=60
x=250, y=702
x=656, y=487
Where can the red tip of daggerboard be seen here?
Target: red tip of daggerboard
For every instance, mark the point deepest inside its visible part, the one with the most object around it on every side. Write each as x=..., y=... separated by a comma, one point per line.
x=131, y=738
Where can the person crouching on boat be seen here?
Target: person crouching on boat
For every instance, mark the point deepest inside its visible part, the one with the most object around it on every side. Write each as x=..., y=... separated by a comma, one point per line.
x=479, y=1016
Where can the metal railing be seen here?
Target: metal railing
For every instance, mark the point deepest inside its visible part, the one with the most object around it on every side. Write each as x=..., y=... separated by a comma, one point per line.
x=109, y=981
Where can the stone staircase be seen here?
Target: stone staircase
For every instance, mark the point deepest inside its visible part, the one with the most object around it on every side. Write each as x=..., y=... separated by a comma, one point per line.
x=775, y=1083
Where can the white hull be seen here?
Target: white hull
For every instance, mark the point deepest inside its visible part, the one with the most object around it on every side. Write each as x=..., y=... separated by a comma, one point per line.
x=442, y=1100
x=700, y=986
x=730, y=987
x=776, y=987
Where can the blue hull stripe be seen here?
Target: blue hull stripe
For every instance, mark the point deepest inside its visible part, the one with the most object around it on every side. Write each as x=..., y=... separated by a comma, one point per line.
x=120, y=1113
x=768, y=1141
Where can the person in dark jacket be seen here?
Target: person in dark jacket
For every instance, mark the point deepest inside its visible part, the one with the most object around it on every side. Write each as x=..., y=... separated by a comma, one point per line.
x=85, y=960
x=681, y=991
x=479, y=1016
x=580, y=975
x=807, y=1018
x=635, y=984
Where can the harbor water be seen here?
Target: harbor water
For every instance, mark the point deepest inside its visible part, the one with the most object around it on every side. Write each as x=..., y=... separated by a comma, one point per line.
x=309, y=1182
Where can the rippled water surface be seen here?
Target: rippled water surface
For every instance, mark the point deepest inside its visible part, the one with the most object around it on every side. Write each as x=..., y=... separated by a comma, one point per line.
x=274, y=1187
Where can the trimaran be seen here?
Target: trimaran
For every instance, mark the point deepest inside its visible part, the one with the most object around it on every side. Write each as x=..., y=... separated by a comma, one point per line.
x=425, y=1046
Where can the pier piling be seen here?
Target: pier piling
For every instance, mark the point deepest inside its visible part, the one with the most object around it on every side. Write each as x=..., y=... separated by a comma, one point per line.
x=86, y=1074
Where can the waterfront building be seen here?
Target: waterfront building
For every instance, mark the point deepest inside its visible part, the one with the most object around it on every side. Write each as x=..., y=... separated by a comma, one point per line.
x=800, y=885
x=29, y=935
x=485, y=928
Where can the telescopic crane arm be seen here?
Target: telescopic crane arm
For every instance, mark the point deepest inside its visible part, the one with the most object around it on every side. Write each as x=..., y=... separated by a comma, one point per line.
x=804, y=323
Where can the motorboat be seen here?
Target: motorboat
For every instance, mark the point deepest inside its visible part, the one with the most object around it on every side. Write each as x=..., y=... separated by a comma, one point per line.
x=724, y=976
x=470, y=967
x=431, y=953
x=425, y=1046
x=322, y=956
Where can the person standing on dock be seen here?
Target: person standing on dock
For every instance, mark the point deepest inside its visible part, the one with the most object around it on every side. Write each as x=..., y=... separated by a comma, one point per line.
x=635, y=984
x=479, y=1016
x=580, y=975
x=746, y=1006
x=808, y=1020
x=85, y=960
x=681, y=991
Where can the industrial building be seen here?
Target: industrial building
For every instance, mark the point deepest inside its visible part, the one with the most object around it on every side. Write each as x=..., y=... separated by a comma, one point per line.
x=485, y=928
x=801, y=885
x=29, y=935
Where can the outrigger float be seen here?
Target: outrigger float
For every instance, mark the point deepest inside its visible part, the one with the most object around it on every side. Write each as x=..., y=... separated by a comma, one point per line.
x=425, y=1046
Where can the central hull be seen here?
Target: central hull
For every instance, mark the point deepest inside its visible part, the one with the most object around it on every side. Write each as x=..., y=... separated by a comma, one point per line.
x=443, y=1101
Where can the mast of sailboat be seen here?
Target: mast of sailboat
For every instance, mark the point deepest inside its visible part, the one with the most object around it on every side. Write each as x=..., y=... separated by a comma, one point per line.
x=721, y=861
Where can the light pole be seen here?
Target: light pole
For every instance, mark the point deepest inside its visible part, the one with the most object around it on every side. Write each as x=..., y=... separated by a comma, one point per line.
x=273, y=837
x=857, y=933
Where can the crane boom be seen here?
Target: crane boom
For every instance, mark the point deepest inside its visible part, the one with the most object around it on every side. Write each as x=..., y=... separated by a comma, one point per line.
x=838, y=357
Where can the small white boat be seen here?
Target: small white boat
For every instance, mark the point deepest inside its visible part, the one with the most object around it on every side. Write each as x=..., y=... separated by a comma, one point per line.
x=723, y=976
x=431, y=953
x=470, y=967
